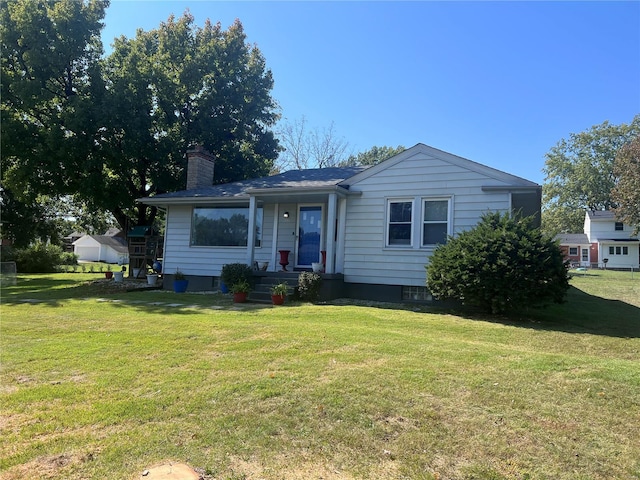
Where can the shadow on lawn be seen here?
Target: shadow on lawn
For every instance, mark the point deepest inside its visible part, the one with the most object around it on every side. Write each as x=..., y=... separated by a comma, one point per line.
x=581, y=313
x=131, y=294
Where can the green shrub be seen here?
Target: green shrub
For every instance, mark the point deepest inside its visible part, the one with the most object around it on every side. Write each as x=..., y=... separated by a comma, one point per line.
x=38, y=258
x=234, y=273
x=309, y=284
x=69, y=258
x=503, y=264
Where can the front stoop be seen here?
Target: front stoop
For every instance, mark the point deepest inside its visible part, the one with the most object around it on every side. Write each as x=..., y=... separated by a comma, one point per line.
x=332, y=285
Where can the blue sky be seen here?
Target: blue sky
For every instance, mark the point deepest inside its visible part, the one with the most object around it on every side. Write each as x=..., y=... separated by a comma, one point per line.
x=499, y=83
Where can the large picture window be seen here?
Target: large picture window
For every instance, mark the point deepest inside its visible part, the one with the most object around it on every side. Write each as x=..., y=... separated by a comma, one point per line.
x=223, y=226
x=399, y=227
x=435, y=222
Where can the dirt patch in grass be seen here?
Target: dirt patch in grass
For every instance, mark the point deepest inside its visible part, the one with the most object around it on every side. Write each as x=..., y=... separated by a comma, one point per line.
x=49, y=466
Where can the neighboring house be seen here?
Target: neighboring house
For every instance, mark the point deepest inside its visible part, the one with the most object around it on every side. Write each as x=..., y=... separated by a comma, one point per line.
x=69, y=239
x=102, y=248
x=375, y=227
x=605, y=242
x=611, y=240
x=575, y=247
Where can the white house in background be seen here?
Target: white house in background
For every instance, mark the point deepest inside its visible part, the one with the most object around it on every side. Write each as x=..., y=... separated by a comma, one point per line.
x=611, y=240
x=102, y=248
x=375, y=227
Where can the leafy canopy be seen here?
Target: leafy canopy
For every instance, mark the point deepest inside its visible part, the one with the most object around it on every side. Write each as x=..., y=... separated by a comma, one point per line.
x=501, y=265
x=626, y=193
x=109, y=131
x=579, y=175
x=374, y=155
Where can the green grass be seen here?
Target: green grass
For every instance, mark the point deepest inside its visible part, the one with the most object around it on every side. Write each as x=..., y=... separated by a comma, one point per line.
x=97, y=385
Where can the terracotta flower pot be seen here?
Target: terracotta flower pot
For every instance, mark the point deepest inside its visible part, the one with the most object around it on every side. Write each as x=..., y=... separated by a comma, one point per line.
x=277, y=299
x=240, y=297
x=108, y=275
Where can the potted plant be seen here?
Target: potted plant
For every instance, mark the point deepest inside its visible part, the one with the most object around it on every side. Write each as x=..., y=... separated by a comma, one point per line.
x=152, y=277
x=119, y=276
x=279, y=293
x=180, y=282
x=240, y=291
x=108, y=274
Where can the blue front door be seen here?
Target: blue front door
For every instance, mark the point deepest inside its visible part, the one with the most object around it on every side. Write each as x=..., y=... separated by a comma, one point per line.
x=309, y=230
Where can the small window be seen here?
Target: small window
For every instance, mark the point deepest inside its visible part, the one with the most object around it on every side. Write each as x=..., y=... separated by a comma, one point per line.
x=573, y=251
x=619, y=226
x=625, y=250
x=400, y=218
x=435, y=224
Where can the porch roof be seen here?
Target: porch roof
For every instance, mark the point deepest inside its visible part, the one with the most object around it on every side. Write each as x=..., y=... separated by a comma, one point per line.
x=291, y=185
x=572, y=238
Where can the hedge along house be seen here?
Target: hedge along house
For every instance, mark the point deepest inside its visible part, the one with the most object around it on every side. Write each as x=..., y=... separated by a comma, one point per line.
x=373, y=228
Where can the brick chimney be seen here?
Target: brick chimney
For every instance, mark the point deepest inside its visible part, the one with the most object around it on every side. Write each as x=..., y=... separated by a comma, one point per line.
x=200, y=165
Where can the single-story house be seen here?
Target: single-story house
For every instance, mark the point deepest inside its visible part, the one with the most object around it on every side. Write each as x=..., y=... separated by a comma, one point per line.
x=102, y=248
x=605, y=242
x=373, y=228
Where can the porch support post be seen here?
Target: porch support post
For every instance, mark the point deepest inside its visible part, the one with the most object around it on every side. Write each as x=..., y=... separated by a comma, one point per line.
x=273, y=262
x=251, y=232
x=330, y=244
x=342, y=225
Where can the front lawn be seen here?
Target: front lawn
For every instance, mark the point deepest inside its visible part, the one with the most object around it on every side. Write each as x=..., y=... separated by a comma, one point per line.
x=103, y=386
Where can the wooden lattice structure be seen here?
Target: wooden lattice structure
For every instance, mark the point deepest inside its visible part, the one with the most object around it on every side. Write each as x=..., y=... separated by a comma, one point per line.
x=145, y=247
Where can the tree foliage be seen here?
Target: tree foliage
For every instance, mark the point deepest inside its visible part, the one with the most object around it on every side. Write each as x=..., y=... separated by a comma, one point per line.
x=373, y=156
x=501, y=265
x=626, y=193
x=111, y=130
x=579, y=175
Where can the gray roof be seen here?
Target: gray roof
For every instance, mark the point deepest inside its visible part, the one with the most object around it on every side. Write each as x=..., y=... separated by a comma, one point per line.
x=601, y=214
x=294, y=179
x=117, y=243
x=572, y=238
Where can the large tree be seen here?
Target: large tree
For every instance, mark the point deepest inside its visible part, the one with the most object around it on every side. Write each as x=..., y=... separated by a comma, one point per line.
x=50, y=54
x=112, y=130
x=374, y=155
x=626, y=193
x=579, y=175
x=303, y=147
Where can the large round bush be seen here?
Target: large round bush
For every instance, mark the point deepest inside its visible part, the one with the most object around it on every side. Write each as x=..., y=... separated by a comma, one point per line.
x=39, y=258
x=503, y=264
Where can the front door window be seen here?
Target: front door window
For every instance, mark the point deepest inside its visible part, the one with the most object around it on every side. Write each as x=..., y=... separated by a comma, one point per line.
x=309, y=231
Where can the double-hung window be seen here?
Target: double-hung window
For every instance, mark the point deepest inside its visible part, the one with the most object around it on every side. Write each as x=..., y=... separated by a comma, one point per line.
x=418, y=222
x=435, y=221
x=400, y=215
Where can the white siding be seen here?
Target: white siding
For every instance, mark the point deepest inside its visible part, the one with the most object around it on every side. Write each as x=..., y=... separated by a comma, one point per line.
x=367, y=259
x=597, y=230
x=207, y=261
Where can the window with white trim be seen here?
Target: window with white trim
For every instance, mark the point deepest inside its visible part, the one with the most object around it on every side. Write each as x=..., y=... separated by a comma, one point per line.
x=435, y=221
x=618, y=250
x=399, y=225
x=573, y=251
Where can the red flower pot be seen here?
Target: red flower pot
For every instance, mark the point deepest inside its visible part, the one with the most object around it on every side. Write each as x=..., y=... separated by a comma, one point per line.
x=240, y=297
x=277, y=299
